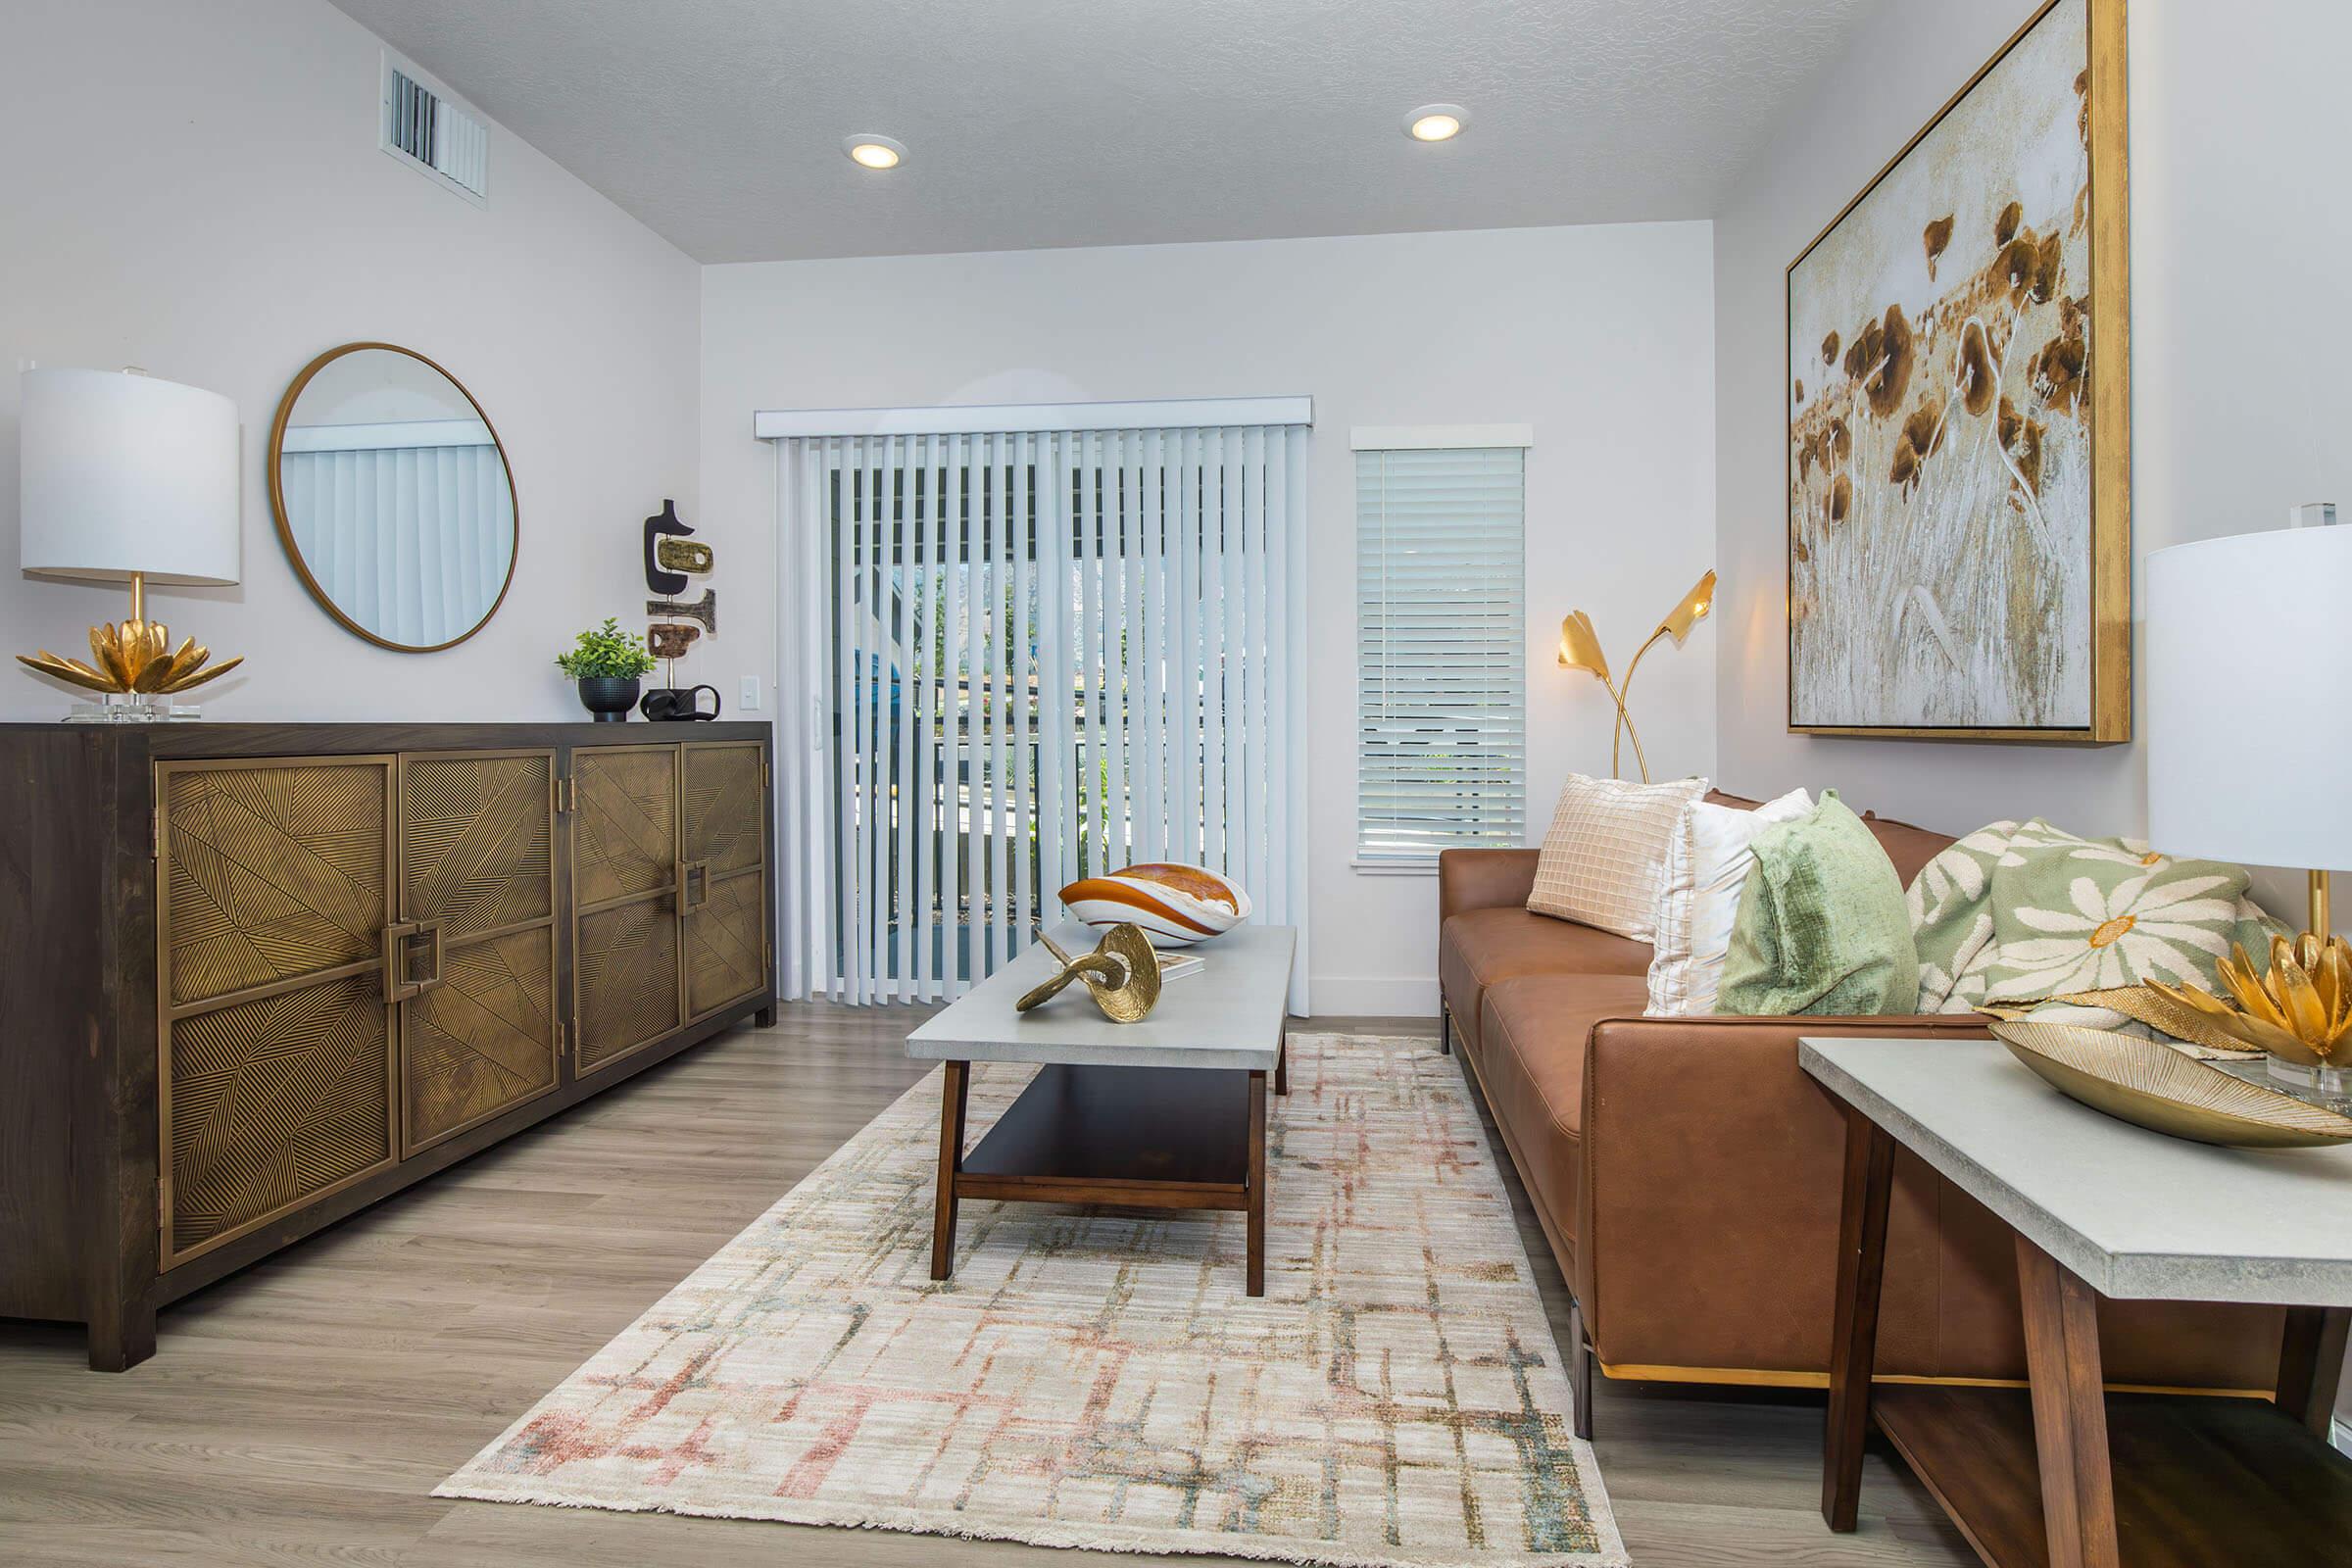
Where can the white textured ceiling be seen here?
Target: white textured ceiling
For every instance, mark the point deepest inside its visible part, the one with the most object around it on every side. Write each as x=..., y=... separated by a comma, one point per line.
x=1047, y=123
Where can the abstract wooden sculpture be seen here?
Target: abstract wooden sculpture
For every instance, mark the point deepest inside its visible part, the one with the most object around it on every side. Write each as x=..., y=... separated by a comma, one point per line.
x=669, y=642
x=665, y=521
x=703, y=610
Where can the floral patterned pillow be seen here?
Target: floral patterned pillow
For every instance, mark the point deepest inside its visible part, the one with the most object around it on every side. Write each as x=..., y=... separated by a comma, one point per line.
x=2021, y=913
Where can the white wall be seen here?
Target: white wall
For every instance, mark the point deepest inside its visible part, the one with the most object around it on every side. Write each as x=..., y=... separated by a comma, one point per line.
x=196, y=189
x=2241, y=231
x=1598, y=337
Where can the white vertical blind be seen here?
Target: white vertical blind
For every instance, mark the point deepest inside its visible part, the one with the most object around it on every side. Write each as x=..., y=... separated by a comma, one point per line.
x=1442, y=650
x=413, y=541
x=1024, y=657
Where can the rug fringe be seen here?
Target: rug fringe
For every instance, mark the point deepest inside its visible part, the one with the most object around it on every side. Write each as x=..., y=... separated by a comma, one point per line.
x=1193, y=1544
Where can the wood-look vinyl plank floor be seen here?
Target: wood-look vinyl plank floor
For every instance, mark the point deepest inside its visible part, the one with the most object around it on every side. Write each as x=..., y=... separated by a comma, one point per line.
x=302, y=1411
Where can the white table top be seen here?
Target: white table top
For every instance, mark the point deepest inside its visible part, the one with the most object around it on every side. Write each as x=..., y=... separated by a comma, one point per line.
x=1226, y=1014
x=2136, y=1213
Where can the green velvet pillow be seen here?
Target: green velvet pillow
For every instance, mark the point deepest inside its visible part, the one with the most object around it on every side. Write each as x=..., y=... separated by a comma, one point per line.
x=1822, y=926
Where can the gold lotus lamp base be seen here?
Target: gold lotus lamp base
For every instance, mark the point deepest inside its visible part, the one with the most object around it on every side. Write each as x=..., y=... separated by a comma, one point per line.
x=2299, y=1014
x=135, y=660
x=1122, y=974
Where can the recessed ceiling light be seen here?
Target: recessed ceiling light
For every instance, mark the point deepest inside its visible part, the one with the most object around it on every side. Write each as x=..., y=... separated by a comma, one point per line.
x=869, y=151
x=1436, y=122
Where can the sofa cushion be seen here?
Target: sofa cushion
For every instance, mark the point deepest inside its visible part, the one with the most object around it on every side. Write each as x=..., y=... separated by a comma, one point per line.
x=1707, y=863
x=1480, y=948
x=1600, y=859
x=1822, y=926
x=1532, y=1066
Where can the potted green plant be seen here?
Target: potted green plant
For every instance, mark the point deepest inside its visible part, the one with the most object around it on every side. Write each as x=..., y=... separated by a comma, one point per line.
x=607, y=665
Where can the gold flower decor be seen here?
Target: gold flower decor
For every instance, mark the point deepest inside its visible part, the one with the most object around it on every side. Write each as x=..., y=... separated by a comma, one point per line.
x=2300, y=1012
x=134, y=656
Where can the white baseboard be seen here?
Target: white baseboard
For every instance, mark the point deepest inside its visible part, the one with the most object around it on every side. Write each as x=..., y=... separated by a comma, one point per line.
x=1377, y=996
x=2340, y=1430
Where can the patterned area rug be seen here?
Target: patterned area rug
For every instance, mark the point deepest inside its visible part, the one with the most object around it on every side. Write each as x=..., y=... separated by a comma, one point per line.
x=1095, y=1377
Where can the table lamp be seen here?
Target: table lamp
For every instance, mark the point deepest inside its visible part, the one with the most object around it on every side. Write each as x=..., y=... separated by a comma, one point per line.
x=1579, y=648
x=126, y=478
x=2248, y=758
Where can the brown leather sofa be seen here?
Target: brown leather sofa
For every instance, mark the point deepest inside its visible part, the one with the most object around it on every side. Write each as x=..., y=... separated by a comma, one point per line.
x=1687, y=1172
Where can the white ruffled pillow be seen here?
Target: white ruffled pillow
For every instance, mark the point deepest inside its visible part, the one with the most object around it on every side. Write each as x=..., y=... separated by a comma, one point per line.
x=1706, y=868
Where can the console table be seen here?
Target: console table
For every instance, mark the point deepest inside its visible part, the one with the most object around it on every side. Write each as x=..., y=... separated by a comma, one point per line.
x=2068, y=1474
x=253, y=977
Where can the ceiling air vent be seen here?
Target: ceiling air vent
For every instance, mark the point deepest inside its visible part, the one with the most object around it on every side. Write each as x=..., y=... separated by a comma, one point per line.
x=423, y=127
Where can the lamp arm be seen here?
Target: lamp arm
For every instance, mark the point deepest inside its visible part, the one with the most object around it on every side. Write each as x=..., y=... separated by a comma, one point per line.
x=1621, y=693
x=1636, y=659
x=1640, y=761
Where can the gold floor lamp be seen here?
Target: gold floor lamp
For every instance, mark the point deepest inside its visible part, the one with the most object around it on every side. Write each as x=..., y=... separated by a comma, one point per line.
x=1579, y=648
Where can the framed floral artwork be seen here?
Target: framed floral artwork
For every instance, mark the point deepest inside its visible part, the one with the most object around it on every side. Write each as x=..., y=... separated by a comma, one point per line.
x=1959, y=417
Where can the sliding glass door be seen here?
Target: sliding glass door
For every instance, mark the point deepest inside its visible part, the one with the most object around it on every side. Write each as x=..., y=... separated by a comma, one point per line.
x=1044, y=654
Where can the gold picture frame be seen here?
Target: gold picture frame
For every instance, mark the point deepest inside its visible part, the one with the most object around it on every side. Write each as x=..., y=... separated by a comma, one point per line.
x=275, y=460
x=2096, y=395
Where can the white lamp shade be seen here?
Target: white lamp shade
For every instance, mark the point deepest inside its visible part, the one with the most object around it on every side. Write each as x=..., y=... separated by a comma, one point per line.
x=2249, y=751
x=124, y=474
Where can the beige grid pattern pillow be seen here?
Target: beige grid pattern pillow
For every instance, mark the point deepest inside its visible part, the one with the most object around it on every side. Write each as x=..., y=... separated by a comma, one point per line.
x=1600, y=860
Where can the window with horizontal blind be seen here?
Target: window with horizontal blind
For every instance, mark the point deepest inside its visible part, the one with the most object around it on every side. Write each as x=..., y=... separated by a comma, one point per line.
x=1441, y=644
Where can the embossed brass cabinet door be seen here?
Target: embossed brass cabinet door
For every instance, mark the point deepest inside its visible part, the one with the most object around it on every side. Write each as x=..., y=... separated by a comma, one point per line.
x=724, y=878
x=477, y=939
x=274, y=892
x=626, y=984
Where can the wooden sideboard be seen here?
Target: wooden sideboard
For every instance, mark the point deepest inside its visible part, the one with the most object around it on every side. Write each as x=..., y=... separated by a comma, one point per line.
x=253, y=977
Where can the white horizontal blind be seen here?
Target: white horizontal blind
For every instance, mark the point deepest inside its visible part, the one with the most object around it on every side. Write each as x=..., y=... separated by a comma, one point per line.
x=1037, y=655
x=1441, y=652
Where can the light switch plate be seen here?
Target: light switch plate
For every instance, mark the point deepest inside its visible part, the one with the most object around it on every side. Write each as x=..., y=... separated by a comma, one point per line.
x=748, y=699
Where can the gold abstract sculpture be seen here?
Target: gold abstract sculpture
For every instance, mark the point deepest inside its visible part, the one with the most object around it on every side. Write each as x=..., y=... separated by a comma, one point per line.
x=1122, y=974
x=2300, y=1012
x=134, y=656
x=1579, y=648
x=682, y=554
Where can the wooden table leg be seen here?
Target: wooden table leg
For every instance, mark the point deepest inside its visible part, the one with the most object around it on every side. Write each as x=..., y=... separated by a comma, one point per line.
x=1853, y=1349
x=1256, y=1282
x=1282, y=1062
x=2070, y=1410
x=955, y=1095
x=2310, y=1363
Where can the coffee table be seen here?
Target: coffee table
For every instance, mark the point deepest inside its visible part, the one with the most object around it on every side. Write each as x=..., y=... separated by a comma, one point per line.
x=2064, y=1474
x=1170, y=1113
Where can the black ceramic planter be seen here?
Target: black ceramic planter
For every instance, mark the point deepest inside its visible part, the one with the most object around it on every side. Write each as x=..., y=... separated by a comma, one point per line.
x=608, y=696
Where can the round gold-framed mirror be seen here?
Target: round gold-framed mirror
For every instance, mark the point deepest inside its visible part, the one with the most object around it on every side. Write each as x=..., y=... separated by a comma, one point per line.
x=393, y=497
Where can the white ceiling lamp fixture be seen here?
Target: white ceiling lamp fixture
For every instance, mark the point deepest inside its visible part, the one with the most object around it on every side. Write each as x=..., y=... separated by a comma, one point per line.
x=869, y=151
x=1436, y=122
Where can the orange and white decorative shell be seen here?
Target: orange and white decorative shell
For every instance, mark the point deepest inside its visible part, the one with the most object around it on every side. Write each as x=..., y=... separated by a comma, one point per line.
x=1177, y=906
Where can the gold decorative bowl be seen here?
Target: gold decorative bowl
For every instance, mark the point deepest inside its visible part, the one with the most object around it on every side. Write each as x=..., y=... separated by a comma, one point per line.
x=2154, y=1086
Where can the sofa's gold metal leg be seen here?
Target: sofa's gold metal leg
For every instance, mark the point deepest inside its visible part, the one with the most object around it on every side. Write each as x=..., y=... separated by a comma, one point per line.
x=1580, y=1370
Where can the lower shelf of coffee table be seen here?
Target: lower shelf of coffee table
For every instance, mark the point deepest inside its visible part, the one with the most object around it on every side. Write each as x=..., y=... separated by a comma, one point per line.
x=2198, y=1482
x=1151, y=1137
